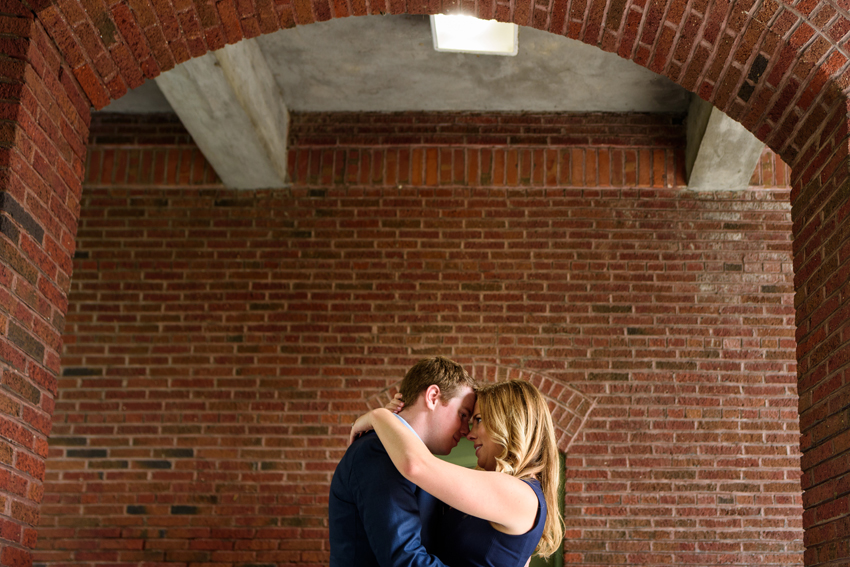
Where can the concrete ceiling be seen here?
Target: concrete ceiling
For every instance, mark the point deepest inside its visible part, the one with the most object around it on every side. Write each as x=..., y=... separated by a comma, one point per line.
x=388, y=64
x=235, y=102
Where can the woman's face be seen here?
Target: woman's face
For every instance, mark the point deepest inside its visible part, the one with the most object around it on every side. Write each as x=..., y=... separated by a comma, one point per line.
x=485, y=448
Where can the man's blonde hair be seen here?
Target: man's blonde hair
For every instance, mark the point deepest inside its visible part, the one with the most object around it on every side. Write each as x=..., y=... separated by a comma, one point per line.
x=447, y=374
x=517, y=418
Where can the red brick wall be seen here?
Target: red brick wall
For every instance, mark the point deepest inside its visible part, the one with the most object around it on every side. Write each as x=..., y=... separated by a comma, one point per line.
x=821, y=230
x=218, y=342
x=43, y=126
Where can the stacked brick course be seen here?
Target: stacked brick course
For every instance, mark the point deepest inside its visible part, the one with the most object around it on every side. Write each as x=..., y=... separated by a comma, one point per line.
x=219, y=342
x=821, y=270
x=507, y=149
x=43, y=117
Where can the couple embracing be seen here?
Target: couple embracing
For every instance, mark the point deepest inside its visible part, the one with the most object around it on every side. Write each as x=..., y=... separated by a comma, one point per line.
x=393, y=504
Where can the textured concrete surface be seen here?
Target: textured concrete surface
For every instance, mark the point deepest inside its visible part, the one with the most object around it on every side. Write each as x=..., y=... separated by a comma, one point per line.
x=724, y=152
x=388, y=63
x=231, y=105
x=247, y=72
x=145, y=99
x=699, y=112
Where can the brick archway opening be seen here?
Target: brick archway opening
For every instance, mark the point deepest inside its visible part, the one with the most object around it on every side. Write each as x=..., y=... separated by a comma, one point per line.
x=569, y=406
x=347, y=279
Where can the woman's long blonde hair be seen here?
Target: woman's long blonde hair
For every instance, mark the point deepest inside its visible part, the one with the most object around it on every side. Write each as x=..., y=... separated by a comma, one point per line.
x=517, y=418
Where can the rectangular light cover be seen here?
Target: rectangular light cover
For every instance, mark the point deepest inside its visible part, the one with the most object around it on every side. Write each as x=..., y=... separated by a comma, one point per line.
x=467, y=34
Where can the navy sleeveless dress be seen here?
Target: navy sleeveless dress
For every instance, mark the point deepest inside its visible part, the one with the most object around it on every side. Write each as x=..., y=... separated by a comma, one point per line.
x=466, y=541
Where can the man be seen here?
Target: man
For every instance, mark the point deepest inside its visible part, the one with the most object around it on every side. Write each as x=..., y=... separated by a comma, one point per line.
x=377, y=517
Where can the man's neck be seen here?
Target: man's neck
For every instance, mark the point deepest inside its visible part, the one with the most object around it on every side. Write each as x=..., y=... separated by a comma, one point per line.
x=417, y=419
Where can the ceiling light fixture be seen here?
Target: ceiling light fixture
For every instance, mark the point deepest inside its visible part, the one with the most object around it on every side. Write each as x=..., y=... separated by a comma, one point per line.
x=466, y=34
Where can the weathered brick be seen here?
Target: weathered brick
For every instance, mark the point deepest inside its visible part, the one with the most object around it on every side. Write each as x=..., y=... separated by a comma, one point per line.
x=625, y=331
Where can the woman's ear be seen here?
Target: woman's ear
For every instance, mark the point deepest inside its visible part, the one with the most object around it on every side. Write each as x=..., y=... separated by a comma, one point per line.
x=432, y=396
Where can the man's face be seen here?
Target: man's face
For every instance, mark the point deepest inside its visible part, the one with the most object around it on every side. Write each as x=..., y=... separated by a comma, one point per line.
x=451, y=421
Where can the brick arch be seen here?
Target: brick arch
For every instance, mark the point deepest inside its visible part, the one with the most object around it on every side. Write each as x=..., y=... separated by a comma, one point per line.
x=776, y=68
x=570, y=408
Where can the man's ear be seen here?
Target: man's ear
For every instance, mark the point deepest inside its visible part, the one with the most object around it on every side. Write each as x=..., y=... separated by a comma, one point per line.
x=432, y=396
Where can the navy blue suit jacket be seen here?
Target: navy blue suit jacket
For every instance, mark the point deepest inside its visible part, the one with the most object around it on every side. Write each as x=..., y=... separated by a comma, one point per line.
x=377, y=517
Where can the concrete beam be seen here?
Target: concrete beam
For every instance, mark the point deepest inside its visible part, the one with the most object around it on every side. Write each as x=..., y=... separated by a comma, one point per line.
x=230, y=103
x=721, y=155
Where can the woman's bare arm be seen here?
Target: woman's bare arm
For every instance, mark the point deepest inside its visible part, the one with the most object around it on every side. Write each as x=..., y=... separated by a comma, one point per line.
x=506, y=501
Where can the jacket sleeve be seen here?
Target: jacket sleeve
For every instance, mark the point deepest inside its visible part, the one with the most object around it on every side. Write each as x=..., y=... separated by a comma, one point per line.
x=389, y=510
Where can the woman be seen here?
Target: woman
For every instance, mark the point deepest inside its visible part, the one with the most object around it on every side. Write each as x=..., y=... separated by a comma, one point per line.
x=503, y=513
